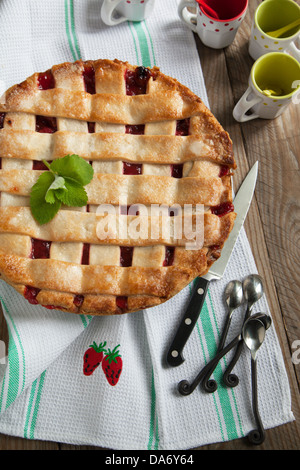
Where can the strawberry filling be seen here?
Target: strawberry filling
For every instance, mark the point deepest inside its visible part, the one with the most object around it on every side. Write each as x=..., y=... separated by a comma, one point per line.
x=176, y=170
x=30, y=294
x=91, y=127
x=132, y=168
x=89, y=79
x=224, y=170
x=222, y=209
x=182, y=127
x=46, y=81
x=45, y=125
x=40, y=249
x=2, y=117
x=78, y=300
x=138, y=129
x=121, y=302
x=136, y=81
x=85, y=254
x=169, y=256
x=38, y=165
x=126, y=253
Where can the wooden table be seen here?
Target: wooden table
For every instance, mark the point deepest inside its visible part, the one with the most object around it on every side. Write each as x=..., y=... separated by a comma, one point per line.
x=272, y=223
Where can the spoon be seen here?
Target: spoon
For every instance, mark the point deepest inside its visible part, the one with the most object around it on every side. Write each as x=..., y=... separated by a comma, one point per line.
x=253, y=291
x=266, y=319
x=253, y=335
x=186, y=388
x=233, y=298
x=279, y=32
x=208, y=9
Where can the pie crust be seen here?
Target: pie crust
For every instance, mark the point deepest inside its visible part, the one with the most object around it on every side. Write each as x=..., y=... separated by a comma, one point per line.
x=150, y=141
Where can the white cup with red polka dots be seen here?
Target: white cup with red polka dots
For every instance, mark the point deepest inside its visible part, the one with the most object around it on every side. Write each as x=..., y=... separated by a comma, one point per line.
x=215, y=30
x=114, y=12
x=271, y=15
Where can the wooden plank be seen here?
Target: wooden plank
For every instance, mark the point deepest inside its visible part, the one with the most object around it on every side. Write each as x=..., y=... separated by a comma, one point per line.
x=271, y=222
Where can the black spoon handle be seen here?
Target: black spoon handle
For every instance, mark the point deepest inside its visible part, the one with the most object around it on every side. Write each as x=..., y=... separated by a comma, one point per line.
x=185, y=388
x=229, y=379
x=211, y=386
x=257, y=436
x=189, y=319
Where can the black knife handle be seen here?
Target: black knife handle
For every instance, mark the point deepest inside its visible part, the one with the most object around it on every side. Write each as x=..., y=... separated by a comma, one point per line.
x=191, y=315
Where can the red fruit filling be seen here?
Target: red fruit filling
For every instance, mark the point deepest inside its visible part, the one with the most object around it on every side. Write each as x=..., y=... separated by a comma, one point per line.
x=85, y=254
x=222, y=209
x=169, y=256
x=30, y=294
x=78, y=300
x=91, y=127
x=89, y=79
x=137, y=80
x=135, y=129
x=176, y=170
x=132, y=168
x=40, y=249
x=126, y=253
x=45, y=125
x=38, y=165
x=122, y=302
x=224, y=170
x=46, y=80
x=182, y=127
x=2, y=117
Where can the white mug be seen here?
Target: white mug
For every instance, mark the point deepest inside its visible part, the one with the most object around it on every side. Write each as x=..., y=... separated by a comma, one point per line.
x=117, y=11
x=215, y=33
x=271, y=15
x=274, y=72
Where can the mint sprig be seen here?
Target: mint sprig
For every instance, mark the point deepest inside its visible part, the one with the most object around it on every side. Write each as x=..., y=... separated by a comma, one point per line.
x=62, y=184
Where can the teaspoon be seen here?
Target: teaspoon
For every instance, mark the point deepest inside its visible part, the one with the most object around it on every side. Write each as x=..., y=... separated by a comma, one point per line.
x=253, y=291
x=233, y=298
x=253, y=335
x=186, y=388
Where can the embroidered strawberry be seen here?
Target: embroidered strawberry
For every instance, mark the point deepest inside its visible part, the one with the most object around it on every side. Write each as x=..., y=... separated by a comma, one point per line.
x=93, y=357
x=112, y=366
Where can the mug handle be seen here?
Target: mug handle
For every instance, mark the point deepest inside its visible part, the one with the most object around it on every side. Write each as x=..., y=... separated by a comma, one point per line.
x=243, y=105
x=190, y=19
x=294, y=51
x=107, y=9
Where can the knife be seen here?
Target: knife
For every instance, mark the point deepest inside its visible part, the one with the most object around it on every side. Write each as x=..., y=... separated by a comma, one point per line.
x=242, y=203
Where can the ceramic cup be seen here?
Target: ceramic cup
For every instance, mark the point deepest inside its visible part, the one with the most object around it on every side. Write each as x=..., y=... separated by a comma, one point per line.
x=269, y=16
x=215, y=33
x=274, y=83
x=116, y=11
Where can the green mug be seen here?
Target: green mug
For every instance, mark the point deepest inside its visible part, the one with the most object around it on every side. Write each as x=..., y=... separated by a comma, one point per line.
x=271, y=15
x=274, y=83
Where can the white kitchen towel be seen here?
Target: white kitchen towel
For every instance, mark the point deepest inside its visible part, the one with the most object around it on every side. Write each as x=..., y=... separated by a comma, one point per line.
x=44, y=393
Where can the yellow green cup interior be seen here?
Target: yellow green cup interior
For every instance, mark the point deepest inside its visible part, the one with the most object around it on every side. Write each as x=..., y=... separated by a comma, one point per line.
x=274, y=14
x=276, y=70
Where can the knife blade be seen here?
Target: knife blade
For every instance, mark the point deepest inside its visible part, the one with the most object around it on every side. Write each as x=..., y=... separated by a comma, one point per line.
x=242, y=203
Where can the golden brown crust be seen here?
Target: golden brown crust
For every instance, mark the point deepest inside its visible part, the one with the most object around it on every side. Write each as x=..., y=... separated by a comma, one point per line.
x=62, y=281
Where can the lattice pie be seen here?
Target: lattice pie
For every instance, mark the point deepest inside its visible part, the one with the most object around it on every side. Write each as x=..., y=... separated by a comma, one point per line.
x=150, y=140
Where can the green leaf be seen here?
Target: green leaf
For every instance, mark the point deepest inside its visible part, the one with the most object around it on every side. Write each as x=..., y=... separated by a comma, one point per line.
x=58, y=183
x=74, y=167
x=74, y=196
x=41, y=210
x=62, y=184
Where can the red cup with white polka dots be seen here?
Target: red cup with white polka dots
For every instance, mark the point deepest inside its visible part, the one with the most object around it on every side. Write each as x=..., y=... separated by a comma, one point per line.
x=114, y=12
x=215, y=21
